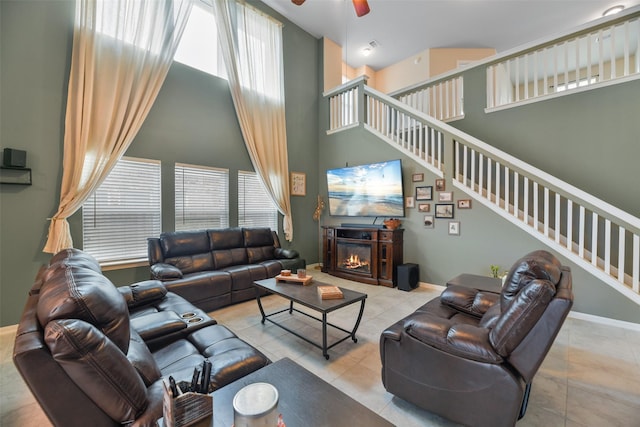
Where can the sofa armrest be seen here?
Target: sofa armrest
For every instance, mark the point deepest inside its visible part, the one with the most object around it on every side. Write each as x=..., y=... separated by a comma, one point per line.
x=286, y=253
x=468, y=300
x=157, y=324
x=143, y=293
x=463, y=340
x=164, y=272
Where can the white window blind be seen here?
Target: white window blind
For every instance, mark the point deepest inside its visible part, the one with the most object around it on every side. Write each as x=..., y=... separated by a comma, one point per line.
x=123, y=212
x=255, y=208
x=202, y=197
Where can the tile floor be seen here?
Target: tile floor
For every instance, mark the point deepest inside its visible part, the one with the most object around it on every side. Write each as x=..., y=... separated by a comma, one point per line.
x=591, y=376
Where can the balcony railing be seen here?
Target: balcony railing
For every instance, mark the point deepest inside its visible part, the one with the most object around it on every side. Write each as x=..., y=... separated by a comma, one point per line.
x=600, y=55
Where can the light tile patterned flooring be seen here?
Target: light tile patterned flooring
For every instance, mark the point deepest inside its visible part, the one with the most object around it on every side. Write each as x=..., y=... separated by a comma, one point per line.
x=591, y=376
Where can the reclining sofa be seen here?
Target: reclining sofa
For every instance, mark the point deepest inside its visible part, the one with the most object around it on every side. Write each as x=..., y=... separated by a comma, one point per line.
x=470, y=355
x=96, y=355
x=215, y=268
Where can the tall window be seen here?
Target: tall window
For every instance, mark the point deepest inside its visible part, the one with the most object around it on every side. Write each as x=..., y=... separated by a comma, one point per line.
x=123, y=212
x=255, y=208
x=202, y=197
x=198, y=46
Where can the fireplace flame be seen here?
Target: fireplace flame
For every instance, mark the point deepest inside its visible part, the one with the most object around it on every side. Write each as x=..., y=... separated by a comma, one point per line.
x=353, y=262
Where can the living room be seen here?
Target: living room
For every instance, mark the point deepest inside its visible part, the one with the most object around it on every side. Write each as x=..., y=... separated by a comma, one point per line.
x=36, y=46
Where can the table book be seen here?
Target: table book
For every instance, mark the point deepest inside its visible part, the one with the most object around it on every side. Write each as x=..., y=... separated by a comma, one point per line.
x=330, y=292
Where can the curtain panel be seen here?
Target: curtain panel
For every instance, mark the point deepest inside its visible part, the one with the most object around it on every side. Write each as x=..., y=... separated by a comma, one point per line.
x=251, y=44
x=122, y=51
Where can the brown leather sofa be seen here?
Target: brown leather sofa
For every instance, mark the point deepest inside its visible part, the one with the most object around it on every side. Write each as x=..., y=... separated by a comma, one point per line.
x=96, y=355
x=470, y=355
x=214, y=268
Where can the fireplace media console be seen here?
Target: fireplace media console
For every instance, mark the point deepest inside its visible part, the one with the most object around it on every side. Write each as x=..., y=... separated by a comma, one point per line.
x=367, y=255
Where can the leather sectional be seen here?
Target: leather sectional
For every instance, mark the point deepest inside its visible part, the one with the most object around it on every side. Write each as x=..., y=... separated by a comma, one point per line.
x=93, y=354
x=215, y=268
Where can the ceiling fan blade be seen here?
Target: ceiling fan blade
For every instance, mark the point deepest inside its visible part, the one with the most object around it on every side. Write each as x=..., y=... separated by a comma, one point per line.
x=361, y=7
x=297, y=2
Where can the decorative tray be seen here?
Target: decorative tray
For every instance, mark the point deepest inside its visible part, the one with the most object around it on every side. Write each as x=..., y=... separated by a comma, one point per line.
x=293, y=278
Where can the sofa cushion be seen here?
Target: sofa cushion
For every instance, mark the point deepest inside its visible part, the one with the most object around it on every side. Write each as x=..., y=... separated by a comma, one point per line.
x=71, y=292
x=96, y=365
x=142, y=360
x=260, y=253
x=77, y=258
x=184, y=243
x=192, y=263
x=227, y=238
x=535, y=265
x=228, y=257
x=256, y=237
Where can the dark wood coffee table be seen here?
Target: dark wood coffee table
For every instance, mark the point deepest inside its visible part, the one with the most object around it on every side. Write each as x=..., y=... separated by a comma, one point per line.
x=307, y=295
x=305, y=400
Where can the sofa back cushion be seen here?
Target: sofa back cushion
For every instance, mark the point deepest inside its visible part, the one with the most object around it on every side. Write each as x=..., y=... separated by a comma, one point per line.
x=98, y=367
x=227, y=238
x=535, y=265
x=228, y=257
x=76, y=257
x=181, y=243
x=259, y=244
x=72, y=292
x=519, y=318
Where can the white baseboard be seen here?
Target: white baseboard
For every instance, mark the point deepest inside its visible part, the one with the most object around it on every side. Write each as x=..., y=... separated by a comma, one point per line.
x=604, y=320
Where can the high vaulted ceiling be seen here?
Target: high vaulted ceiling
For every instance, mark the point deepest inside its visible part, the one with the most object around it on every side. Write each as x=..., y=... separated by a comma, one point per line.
x=402, y=28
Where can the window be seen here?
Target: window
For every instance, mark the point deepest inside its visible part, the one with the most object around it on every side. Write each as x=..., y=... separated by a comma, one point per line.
x=255, y=207
x=574, y=84
x=202, y=197
x=123, y=212
x=198, y=46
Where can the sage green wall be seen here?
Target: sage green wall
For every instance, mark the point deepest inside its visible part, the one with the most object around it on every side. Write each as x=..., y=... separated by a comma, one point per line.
x=192, y=121
x=588, y=139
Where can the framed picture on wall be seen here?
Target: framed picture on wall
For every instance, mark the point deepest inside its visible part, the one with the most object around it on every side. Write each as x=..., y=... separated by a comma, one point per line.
x=409, y=202
x=447, y=196
x=424, y=193
x=454, y=228
x=298, y=184
x=428, y=221
x=464, y=204
x=424, y=207
x=439, y=184
x=417, y=177
x=444, y=210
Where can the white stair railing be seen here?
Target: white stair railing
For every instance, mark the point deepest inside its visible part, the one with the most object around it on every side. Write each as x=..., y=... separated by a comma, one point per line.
x=442, y=99
x=597, y=236
x=600, y=55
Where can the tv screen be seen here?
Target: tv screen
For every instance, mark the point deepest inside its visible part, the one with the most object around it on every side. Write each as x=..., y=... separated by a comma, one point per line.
x=367, y=190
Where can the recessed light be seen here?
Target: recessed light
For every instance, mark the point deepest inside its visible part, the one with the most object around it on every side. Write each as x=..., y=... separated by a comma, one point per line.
x=613, y=10
x=367, y=51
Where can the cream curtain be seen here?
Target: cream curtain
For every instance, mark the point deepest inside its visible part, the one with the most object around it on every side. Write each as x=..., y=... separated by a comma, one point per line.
x=122, y=51
x=251, y=43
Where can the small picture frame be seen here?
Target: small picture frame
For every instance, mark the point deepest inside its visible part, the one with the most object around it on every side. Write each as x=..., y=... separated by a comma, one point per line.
x=409, y=202
x=298, y=184
x=440, y=185
x=428, y=221
x=464, y=204
x=446, y=196
x=417, y=177
x=424, y=207
x=424, y=193
x=454, y=228
x=444, y=210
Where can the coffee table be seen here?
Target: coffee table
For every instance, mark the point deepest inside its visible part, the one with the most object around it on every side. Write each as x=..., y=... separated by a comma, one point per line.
x=307, y=295
x=305, y=400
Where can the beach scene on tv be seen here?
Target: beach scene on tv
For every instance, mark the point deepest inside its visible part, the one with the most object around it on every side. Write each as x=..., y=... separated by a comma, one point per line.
x=367, y=190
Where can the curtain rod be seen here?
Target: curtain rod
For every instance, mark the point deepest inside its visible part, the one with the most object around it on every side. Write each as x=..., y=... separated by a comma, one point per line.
x=209, y=3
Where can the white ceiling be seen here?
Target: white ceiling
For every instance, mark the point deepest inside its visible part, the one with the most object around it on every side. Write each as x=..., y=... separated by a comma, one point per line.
x=403, y=28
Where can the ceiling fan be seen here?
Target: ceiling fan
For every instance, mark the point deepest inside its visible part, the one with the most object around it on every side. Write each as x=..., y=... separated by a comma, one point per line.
x=361, y=6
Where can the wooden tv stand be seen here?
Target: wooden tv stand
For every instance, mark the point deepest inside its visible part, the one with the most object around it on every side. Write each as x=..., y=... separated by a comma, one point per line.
x=367, y=255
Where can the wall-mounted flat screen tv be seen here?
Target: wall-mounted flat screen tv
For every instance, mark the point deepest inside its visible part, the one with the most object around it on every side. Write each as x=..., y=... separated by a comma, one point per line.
x=367, y=190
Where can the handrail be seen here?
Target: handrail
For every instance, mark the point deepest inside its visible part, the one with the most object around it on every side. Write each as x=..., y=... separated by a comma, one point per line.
x=536, y=201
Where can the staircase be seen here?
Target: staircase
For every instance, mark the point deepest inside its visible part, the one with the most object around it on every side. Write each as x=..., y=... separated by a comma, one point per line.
x=600, y=238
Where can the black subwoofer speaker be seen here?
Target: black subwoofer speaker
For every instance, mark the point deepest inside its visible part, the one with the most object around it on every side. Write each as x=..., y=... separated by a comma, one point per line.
x=13, y=158
x=408, y=276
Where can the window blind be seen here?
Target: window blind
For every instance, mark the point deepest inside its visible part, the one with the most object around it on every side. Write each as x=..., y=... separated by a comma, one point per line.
x=123, y=212
x=202, y=197
x=255, y=208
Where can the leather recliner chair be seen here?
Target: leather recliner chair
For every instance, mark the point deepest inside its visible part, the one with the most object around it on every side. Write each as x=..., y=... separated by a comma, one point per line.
x=470, y=355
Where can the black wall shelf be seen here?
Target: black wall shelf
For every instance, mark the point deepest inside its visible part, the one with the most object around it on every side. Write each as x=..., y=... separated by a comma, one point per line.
x=15, y=176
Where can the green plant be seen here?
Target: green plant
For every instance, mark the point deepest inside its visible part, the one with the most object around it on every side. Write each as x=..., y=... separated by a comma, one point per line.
x=495, y=271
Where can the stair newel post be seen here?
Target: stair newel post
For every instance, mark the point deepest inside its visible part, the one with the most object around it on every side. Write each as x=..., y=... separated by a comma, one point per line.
x=361, y=105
